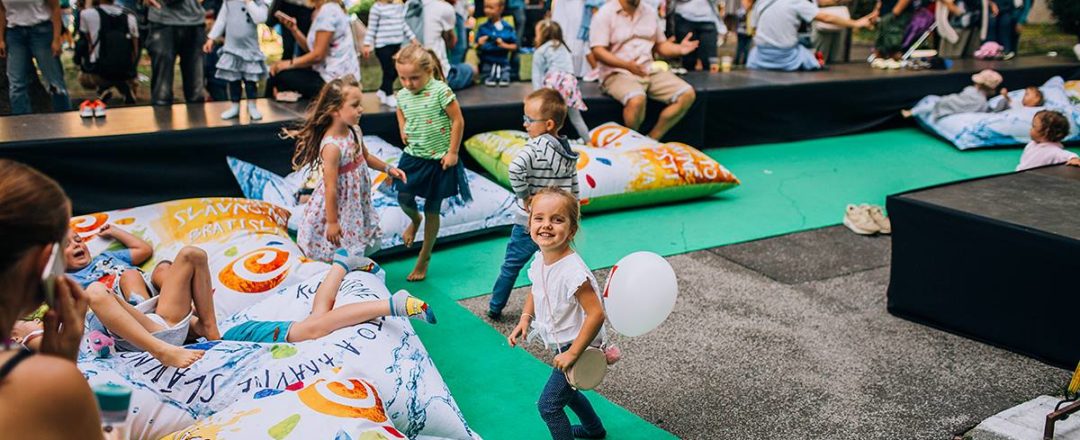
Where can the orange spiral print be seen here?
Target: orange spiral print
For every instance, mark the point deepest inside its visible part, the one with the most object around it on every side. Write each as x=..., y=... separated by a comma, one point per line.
x=344, y=399
x=254, y=265
x=606, y=135
x=87, y=223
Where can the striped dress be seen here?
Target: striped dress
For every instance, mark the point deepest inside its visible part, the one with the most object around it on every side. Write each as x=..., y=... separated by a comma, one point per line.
x=386, y=25
x=544, y=161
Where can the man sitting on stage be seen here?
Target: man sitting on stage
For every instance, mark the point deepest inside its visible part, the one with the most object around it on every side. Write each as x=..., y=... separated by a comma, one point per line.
x=623, y=38
x=776, y=38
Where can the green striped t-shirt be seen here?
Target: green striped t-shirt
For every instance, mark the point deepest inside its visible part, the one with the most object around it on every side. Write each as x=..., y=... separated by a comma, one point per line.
x=426, y=123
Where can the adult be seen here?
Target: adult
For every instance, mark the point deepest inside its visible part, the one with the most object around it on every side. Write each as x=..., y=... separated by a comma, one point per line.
x=830, y=40
x=439, y=35
x=574, y=21
x=31, y=32
x=462, y=23
x=702, y=19
x=776, y=37
x=623, y=38
x=301, y=11
x=330, y=52
x=43, y=395
x=177, y=29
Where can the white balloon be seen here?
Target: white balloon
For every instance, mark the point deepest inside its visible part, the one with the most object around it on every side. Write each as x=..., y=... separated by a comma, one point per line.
x=640, y=293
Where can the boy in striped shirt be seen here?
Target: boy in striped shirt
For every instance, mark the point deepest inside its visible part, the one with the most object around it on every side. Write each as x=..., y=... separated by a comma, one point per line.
x=387, y=31
x=546, y=160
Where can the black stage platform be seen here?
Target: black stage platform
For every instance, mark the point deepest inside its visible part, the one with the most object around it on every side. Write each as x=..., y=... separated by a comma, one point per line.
x=118, y=162
x=995, y=259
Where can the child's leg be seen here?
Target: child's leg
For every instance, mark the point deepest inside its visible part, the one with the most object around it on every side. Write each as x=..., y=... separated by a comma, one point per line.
x=579, y=124
x=317, y=326
x=252, y=90
x=385, y=55
x=555, y=396
x=431, y=232
x=189, y=280
x=505, y=69
x=133, y=283
x=327, y=292
x=518, y=251
x=234, y=91
x=408, y=205
x=126, y=322
x=234, y=97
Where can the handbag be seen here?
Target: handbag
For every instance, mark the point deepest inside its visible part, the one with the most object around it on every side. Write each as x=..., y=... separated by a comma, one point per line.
x=590, y=368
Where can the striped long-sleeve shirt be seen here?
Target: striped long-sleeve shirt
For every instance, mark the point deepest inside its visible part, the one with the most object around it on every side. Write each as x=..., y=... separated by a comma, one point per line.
x=386, y=25
x=545, y=161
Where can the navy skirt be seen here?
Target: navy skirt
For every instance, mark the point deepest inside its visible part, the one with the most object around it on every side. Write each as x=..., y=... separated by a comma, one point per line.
x=427, y=179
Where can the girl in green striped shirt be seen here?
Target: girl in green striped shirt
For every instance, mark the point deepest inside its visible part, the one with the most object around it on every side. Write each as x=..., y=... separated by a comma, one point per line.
x=431, y=126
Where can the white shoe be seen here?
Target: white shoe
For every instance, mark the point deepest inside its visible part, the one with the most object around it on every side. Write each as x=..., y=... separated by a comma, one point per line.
x=232, y=112
x=857, y=218
x=879, y=218
x=1076, y=50
x=592, y=76
x=253, y=112
x=391, y=101
x=382, y=96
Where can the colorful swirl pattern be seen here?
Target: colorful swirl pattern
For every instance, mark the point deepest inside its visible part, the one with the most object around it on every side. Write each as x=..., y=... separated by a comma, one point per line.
x=257, y=271
x=348, y=399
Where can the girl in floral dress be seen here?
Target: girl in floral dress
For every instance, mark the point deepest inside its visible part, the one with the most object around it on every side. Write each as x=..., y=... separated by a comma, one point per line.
x=339, y=213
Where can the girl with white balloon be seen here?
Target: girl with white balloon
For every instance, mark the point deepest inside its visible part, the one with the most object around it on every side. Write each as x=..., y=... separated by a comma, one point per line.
x=568, y=312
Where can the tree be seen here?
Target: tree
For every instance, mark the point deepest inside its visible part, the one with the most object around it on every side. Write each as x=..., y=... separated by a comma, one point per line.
x=1067, y=13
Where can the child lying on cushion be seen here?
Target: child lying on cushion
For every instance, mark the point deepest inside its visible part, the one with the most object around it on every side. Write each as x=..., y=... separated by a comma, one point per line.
x=1048, y=128
x=116, y=270
x=324, y=318
x=973, y=99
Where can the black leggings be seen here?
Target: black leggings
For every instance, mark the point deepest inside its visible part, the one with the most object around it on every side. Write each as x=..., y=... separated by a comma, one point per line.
x=385, y=55
x=249, y=86
x=306, y=82
x=431, y=207
x=705, y=33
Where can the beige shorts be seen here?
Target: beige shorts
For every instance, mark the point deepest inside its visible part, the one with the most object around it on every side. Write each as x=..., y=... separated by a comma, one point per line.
x=662, y=86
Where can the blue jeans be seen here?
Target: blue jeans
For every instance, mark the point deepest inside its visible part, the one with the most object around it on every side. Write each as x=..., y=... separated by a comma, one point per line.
x=26, y=44
x=487, y=70
x=518, y=252
x=558, y=394
x=460, y=76
x=457, y=53
x=1002, y=28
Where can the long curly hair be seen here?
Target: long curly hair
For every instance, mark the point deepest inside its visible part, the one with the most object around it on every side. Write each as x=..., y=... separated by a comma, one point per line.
x=320, y=115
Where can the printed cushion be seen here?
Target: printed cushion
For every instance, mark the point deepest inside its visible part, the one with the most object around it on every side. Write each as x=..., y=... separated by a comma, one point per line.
x=489, y=209
x=1010, y=127
x=624, y=168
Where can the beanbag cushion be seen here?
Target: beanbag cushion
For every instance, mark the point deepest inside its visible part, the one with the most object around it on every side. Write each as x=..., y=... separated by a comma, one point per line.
x=624, y=168
x=384, y=353
x=1009, y=127
x=333, y=406
x=489, y=209
x=249, y=249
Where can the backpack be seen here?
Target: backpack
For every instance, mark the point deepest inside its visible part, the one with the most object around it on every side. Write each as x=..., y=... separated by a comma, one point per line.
x=116, y=47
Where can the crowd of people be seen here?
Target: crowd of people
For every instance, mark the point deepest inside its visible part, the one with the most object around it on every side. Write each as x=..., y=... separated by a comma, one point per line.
x=613, y=41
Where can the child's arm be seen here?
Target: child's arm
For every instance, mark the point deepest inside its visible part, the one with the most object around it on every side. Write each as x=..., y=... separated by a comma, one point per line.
x=378, y=164
x=374, y=17
x=457, y=126
x=1074, y=162
x=594, y=318
x=483, y=34
x=330, y=158
x=518, y=173
x=401, y=127
x=510, y=41
x=140, y=249
x=523, y=324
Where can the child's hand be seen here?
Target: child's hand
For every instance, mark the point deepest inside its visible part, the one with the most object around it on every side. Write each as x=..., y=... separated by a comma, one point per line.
x=518, y=332
x=396, y=173
x=449, y=160
x=480, y=41
x=565, y=360
x=366, y=51
x=153, y=4
x=106, y=231
x=333, y=233
x=404, y=138
x=208, y=47
x=1074, y=162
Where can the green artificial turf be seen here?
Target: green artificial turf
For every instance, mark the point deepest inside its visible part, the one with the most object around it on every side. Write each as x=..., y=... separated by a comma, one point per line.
x=786, y=188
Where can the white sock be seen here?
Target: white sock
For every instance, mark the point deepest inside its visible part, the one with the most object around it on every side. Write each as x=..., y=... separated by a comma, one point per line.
x=253, y=112
x=232, y=112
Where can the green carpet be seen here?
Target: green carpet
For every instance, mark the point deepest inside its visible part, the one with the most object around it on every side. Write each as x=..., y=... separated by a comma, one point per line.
x=786, y=188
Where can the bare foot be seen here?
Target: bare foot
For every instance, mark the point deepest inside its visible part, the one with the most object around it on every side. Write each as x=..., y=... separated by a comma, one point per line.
x=905, y=113
x=200, y=328
x=178, y=357
x=409, y=236
x=419, y=272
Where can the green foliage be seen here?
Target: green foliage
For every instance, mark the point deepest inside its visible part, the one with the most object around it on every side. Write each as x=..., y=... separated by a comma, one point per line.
x=1067, y=13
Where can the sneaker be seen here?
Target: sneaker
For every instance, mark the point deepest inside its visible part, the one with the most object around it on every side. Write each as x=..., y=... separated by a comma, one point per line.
x=503, y=82
x=893, y=64
x=381, y=95
x=391, y=101
x=594, y=75
x=494, y=316
x=1008, y=56
x=99, y=108
x=490, y=80
x=883, y=223
x=86, y=109
x=878, y=63
x=857, y=218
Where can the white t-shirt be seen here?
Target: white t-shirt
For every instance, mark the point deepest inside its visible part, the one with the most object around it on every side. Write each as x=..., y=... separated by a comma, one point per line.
x=559, y=316
x=26, y=12
x=341, y=56
x=1041, y=154
x=90, y=24
x=778, y=25
x=438, y=18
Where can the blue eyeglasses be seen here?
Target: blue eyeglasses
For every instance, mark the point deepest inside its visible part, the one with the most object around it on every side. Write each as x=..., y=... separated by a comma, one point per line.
x=529, y=120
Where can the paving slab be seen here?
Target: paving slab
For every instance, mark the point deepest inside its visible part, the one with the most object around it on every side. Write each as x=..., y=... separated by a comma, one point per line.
x=812, y=255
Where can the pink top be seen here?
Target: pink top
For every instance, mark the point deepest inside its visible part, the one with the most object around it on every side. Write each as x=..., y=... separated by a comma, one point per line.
x=1043, y=153
x=629, y=37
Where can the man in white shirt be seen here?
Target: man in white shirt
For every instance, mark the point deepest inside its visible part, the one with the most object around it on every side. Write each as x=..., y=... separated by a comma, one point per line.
x=439, y=19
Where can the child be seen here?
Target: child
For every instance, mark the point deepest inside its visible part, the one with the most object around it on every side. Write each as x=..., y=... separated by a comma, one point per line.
x=1033, y=97
x=553, y=67
x=386, y=32
x=565, y=301
x=324, y=318
x=1048, y=128
x=431, y=126
x=742, y=32
x=162, y=331
x=339, y=212
x=546, y=160
x=241, y=60
x=115, y=270
x=495, y=39
x=107, y=54
x=973, y=99
x=894, y=18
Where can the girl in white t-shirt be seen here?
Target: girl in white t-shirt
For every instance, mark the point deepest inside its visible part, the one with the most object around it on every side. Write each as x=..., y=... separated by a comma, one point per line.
x=565, y=302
